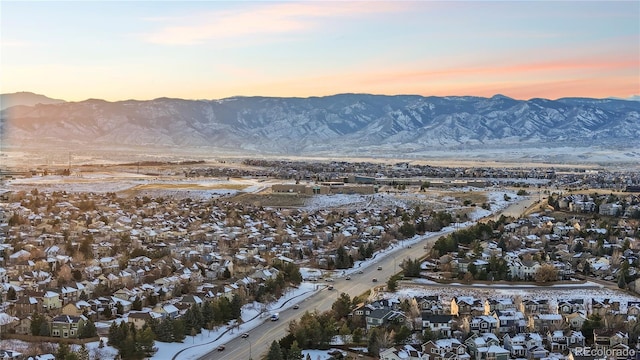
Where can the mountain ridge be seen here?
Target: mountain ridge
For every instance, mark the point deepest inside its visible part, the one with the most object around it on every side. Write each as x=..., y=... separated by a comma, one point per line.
x=342, y=123
x=25, y=98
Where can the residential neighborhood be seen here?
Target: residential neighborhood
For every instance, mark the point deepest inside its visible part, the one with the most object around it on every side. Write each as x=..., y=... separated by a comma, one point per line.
x=74, y=263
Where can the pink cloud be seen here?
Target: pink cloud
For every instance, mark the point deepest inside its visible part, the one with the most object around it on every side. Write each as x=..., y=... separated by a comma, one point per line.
x=263, y=18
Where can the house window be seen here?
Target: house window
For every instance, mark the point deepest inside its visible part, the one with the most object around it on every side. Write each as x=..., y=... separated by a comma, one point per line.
x=55, y=332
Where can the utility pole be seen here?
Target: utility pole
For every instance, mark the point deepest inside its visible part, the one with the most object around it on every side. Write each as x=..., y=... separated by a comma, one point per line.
x=250, y=358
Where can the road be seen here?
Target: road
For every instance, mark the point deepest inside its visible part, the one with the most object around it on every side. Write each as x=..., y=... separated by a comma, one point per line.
x=262, y=336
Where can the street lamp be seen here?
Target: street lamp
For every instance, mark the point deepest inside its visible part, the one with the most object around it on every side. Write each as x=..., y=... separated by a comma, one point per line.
x=247, y=340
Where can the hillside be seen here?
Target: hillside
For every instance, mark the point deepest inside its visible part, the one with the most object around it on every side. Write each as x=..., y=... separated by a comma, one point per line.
x=346, y=124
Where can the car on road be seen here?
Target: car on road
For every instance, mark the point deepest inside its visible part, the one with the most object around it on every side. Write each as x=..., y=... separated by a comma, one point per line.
x=374, y=280
x=296, y=307
x=379, y=267
x=328, y=280
x=348, y=278
x=221, y=348
x=330, y=287
x=245, y=335
x=360, y=271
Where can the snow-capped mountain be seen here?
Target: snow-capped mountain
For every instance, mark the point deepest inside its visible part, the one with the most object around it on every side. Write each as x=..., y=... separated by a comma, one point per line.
x=348, y=124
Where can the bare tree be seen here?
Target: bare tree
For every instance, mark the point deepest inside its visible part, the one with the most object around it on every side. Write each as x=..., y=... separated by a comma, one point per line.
x=546, y=273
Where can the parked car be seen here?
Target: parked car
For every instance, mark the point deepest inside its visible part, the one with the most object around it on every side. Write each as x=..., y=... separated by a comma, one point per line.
x=221, y=348
x=348, y=278
x=359, y=271
x=330, y=287
x=296, y=307
x=245, y=335
x=328, y=280
x=374, y=280
x=379, y=267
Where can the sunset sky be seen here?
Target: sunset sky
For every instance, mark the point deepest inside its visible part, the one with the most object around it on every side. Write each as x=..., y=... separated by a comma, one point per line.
x=117, y=50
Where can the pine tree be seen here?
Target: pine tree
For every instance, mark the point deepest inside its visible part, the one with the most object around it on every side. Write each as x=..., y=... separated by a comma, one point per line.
x=357, y=335
x=137, y=304
x=179, y=330
x=295, y=353
x=236, y=306
x=63, y=351
x=145, y=341
x=207, y=313
x=83, y=353
x=373, y=346
x=36, y=322
x=87, y=330
x=275, y=353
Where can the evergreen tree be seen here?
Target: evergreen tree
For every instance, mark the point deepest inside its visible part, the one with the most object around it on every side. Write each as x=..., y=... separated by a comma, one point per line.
x=11, y=293
x=343, y=332
x=207, y=313
x=342, y=306
x=190, y=320
x=128, y=349
x=373, y=345
x=295, y=353
x=392, y=284
x=87, y=330
x=137, y=304
x=44, y=329
x=342, y=258
x=179, y=330
x=236, y=306
x=107, y=313
x=83, y=353
x=113, y=336
x=357, y=335
x=36, y=323
x=145, y=341
x=402, y=335
x=370, y=250
x=275, y=353
x=63, y=351
x=593, y=322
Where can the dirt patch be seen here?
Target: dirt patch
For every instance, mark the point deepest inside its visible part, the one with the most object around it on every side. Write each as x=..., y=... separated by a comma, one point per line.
x=462, y=196
x=225, y=186
x=271, y=200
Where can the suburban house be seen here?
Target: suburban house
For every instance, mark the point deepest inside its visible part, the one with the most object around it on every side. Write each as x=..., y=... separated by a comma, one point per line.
x=449, y=349
x=66, y=326
x=405, y=352
x=437, y=324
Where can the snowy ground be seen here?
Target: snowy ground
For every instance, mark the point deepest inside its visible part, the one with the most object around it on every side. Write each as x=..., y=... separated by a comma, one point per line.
x=95, y=352
x=551, y=294
x=252, y=316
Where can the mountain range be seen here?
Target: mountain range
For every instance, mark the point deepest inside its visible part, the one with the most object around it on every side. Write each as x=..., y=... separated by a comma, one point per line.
x=346, y=124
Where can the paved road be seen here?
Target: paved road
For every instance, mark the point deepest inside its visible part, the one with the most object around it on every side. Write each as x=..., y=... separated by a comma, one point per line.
x=262, y=336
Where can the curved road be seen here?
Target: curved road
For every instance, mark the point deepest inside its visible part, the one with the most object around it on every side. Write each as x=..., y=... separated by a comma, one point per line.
x=263, y=335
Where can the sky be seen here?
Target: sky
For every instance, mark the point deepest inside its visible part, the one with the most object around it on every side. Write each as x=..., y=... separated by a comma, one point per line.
x=118, y=50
